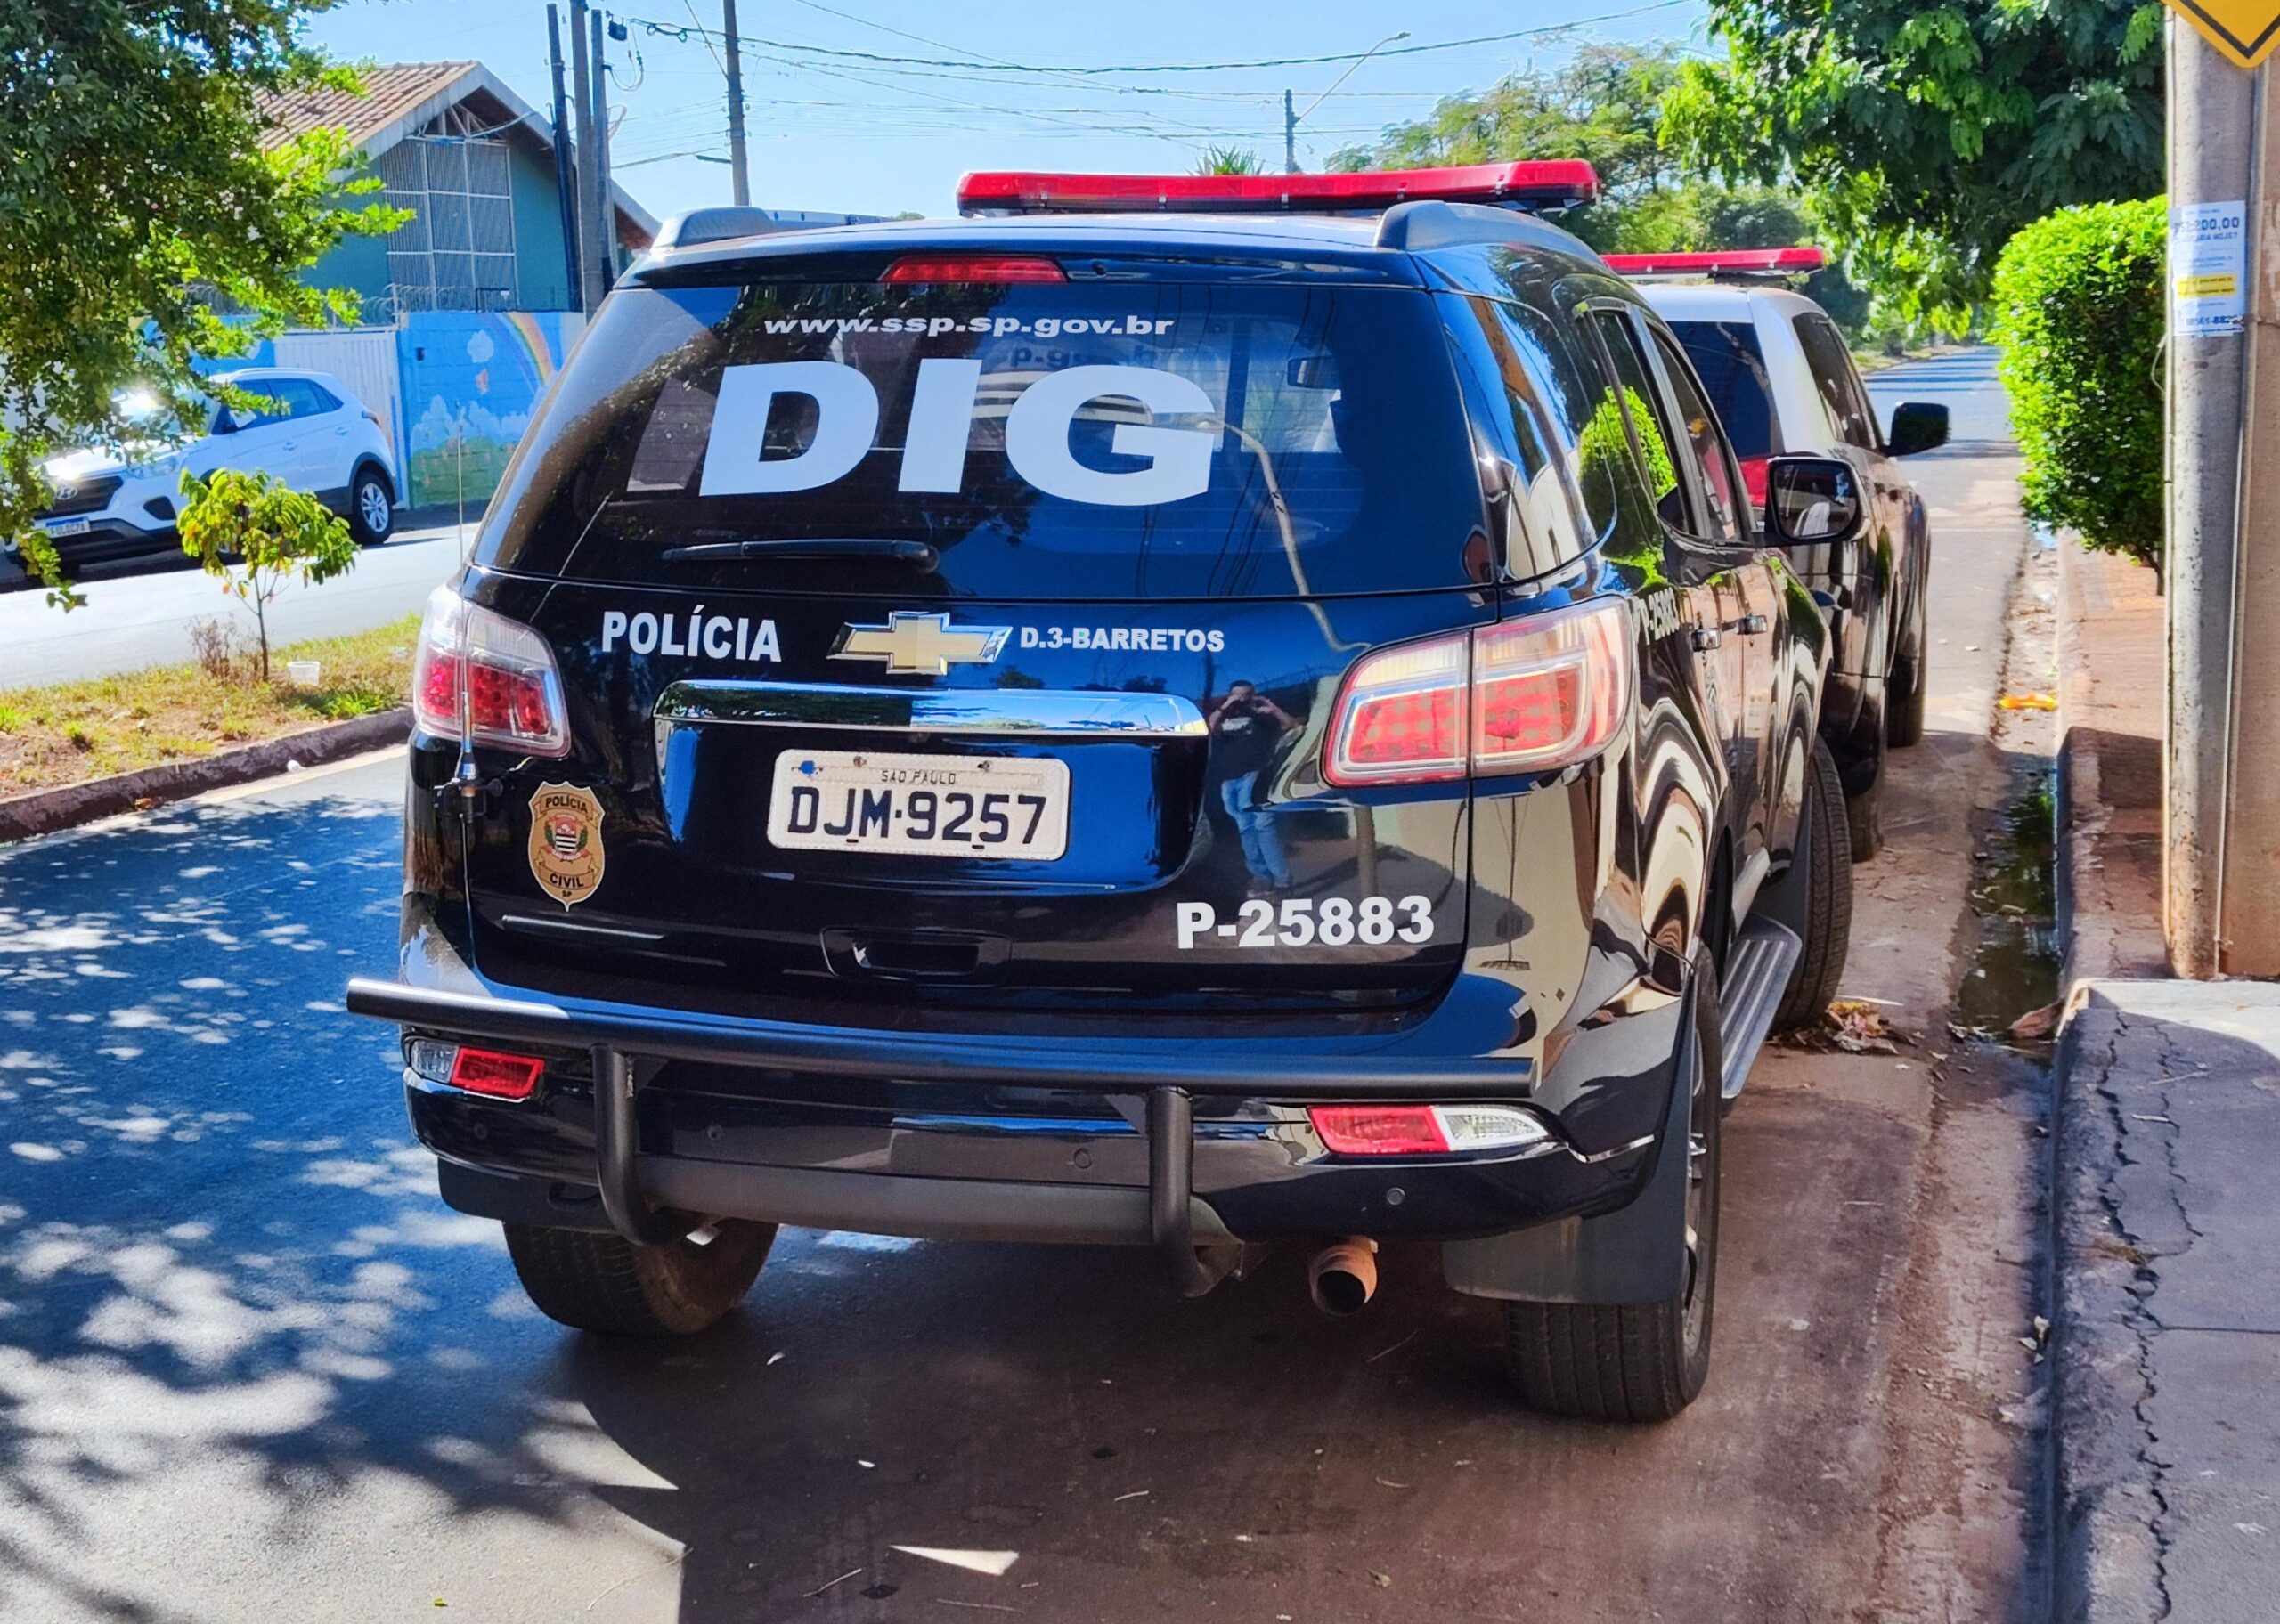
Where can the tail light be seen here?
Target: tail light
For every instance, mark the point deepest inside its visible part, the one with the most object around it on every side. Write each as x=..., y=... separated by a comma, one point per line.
x=1530, y=695
x=1424, y=1130
x=482, y=676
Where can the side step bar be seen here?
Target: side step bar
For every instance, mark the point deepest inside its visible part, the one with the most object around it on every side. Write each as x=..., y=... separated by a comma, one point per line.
x=1757, y=973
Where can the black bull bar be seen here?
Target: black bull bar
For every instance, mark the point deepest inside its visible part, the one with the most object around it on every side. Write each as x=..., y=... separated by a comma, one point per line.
x=1167, y=1076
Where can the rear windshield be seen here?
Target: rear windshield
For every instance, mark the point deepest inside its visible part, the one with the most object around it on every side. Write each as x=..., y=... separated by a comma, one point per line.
x=1126, y=440
x=1733, y=369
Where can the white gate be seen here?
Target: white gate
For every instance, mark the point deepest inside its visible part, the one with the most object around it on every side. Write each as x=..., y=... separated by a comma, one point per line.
x=364, y=358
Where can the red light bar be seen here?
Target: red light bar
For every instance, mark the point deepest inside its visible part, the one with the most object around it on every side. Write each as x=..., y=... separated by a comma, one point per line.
x=1729, y=262
x=1549, y=184
x=972, y=268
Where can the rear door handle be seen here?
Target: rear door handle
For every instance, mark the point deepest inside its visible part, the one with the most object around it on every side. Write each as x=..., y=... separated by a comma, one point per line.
x=1749, y=624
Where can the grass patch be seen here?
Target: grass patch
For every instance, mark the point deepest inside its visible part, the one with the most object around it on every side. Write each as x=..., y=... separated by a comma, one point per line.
x=76, y=731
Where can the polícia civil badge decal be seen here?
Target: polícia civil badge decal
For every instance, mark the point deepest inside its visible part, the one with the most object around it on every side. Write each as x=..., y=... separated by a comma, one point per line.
x=566, y=841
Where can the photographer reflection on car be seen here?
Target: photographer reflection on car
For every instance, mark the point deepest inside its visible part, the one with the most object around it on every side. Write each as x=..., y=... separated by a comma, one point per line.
x=1245, y=727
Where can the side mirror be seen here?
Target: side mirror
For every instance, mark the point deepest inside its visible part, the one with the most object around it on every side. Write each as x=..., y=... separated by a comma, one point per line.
x=1918, y=426
x=1811, y=501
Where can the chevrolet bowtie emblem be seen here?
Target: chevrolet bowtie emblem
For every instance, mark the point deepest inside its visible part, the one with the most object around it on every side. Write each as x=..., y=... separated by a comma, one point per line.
x=920, y=644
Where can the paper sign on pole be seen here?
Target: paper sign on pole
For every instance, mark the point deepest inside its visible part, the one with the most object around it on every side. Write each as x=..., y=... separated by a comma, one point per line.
x=2208, y=268
x=2244, y=30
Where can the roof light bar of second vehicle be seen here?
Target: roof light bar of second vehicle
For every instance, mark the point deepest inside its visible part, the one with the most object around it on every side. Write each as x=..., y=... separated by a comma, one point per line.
x=1722, y=261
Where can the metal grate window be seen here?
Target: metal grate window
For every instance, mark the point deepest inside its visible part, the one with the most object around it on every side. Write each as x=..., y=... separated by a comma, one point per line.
x=458, y=250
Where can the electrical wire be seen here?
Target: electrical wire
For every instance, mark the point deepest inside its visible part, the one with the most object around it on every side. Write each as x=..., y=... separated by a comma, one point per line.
x=686, y=31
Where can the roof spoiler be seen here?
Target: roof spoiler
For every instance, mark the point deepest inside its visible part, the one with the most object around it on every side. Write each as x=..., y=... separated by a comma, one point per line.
x=724, y=224
x=1542, y=185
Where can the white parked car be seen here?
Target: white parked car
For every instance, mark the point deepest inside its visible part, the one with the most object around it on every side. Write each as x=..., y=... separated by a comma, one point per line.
x=314, y=435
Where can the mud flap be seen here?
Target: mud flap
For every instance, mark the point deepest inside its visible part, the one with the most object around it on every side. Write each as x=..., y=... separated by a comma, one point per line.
x=1636, y=1254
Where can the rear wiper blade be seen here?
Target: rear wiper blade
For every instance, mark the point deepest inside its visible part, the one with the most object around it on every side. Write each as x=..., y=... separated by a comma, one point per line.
x=919, y=554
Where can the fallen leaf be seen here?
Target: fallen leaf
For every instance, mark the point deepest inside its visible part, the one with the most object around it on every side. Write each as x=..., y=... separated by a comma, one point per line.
x=2027, y=702
x=2037, y=1024
x=1383, y=1581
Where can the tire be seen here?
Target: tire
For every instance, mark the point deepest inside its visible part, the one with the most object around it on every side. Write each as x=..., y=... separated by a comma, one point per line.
x=1828, y=917
x=605, y=1283
x=1642, y=1361
x=372, y=510
x=1906, y=689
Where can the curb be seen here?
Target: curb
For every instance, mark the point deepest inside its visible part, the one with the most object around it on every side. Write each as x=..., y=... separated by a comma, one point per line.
x=2107, y=1561
x=45, y=811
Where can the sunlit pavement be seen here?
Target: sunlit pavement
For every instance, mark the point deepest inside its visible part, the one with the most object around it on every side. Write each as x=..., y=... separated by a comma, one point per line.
x=131, y=622
x=252, y=1369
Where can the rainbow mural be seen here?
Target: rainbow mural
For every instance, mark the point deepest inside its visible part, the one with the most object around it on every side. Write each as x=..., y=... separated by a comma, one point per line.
x=471, y=382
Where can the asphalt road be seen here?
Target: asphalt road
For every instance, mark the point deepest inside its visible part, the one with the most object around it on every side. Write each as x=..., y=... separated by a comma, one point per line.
x=250, y=1370
x=133, y=621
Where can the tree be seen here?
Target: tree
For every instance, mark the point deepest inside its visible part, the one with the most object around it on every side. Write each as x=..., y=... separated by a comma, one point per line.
x=145, y=221
x=1604, y=106
x=273, y=534
x=2079, y=311
x=1228, y=160
x=1923, y=138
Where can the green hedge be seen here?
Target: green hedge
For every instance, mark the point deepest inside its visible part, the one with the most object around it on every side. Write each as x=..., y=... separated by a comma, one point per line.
x=2078, y=309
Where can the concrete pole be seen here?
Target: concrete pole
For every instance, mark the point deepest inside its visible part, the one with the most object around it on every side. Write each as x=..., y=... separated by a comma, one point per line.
x=733, y=64
x=605, y=205
x=565, y=168
x=590, y=224
x=1290, y=136
x=2248, y=911
x=2211, y=127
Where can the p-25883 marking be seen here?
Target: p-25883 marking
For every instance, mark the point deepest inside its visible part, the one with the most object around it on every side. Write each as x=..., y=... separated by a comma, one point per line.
x=1334, y=921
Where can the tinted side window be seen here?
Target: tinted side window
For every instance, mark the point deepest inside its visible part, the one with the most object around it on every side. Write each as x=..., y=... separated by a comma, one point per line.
x=1637, y=400
x=1732, y=367
x=1721, y=487
x=1839, y=385
x=287, y=398
x=1536, y=520
x=1549, y=359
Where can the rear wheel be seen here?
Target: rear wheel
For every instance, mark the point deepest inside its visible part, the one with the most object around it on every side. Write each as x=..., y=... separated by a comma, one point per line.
x=1828, y=910
x=1642, y=1361
x=372, y=510
x=605, y=1283
x=1905, y=691
x=1864, y=821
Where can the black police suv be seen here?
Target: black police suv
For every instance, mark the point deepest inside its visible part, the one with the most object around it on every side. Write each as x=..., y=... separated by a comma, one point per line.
x=1177, y=712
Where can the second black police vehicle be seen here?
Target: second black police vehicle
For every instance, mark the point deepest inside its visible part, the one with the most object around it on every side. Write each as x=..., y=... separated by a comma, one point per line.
x=1182, y=712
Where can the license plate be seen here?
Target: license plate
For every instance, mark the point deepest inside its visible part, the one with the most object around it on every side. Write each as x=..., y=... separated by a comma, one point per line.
x=69, y=527
x=920, y=806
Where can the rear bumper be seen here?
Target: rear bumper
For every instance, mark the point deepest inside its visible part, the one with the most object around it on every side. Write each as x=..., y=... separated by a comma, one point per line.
x=650, y=1115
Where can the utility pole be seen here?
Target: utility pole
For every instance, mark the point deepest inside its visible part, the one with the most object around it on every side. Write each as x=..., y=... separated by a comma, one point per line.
x=566, y=168
x=2212, y=122
x=733, y=65
x=605, y=206
x=590, y=225
x=1290, y=136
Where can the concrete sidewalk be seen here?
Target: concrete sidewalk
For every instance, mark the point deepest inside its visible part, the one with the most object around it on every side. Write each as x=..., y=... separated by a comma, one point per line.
x=2166, y=1345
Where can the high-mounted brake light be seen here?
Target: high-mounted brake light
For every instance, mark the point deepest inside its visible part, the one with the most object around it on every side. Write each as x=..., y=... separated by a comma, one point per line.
x=483, y=678
x=1539, y=183
x=1721, y=262
x=993, y=268
x=1424, y=1130
x=1531, y=695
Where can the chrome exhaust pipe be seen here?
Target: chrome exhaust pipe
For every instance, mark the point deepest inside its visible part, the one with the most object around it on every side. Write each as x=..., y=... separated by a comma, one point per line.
x=1344, y=1276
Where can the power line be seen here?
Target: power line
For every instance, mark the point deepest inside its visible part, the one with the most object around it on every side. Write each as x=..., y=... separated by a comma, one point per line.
x=684, y=32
